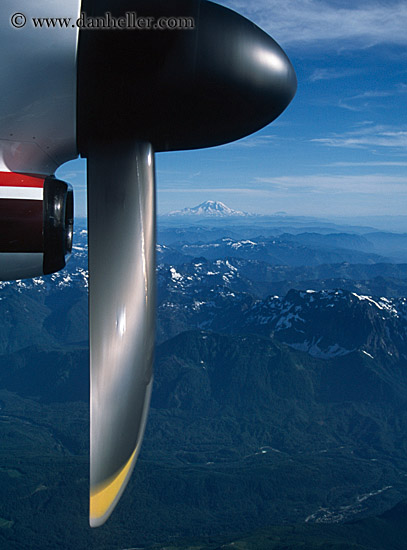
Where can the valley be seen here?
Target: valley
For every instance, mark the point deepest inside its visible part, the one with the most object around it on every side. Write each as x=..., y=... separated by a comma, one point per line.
x=280, y=394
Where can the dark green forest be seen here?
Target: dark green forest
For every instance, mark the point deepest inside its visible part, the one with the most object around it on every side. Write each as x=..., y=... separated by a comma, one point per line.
x=277, y=420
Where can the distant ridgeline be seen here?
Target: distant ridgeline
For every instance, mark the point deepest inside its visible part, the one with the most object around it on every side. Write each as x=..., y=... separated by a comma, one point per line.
x=280, y=396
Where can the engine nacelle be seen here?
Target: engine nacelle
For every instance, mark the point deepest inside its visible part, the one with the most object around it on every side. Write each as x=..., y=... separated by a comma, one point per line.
x=36, y=225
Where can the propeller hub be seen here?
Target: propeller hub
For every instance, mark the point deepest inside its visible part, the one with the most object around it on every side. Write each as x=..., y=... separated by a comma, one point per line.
x=179, y=89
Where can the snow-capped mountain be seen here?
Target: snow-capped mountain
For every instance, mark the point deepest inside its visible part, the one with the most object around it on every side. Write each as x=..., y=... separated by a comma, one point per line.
x=275, y=251
x=325, y=324
x=74, y=275
x=220, y=295
x=276, y=381
x=209, y=208
x=47, y=311
x=330, y=324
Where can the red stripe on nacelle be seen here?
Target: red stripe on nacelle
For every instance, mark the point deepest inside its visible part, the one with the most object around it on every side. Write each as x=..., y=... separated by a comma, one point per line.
x=11, y=179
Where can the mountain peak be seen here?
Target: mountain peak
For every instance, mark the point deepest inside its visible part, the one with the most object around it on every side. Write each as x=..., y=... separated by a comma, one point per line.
x=209, y=208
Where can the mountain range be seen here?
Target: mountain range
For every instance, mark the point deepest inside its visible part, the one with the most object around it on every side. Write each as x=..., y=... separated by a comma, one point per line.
x=268, y=408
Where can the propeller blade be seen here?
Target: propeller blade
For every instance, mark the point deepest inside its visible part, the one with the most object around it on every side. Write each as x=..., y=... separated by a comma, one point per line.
x=121, y=225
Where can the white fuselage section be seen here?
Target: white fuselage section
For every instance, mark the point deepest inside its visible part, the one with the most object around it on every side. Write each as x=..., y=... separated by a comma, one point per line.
x=38, y=86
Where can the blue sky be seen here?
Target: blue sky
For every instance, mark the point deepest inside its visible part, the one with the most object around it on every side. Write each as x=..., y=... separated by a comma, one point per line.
x=341, y=146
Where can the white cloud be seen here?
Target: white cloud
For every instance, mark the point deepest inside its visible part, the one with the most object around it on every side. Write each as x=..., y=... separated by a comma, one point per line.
x=311, y=21
x=368, y=137
x=370, y=99
x=316, y=195
x=372, y=94
x=368, y=163
x=330, y=74
x=326, y=184
x=369, y=184
x=256, y=140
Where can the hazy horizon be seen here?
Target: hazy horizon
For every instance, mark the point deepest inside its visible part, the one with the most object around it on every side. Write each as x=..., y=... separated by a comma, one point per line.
x=339, y=149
